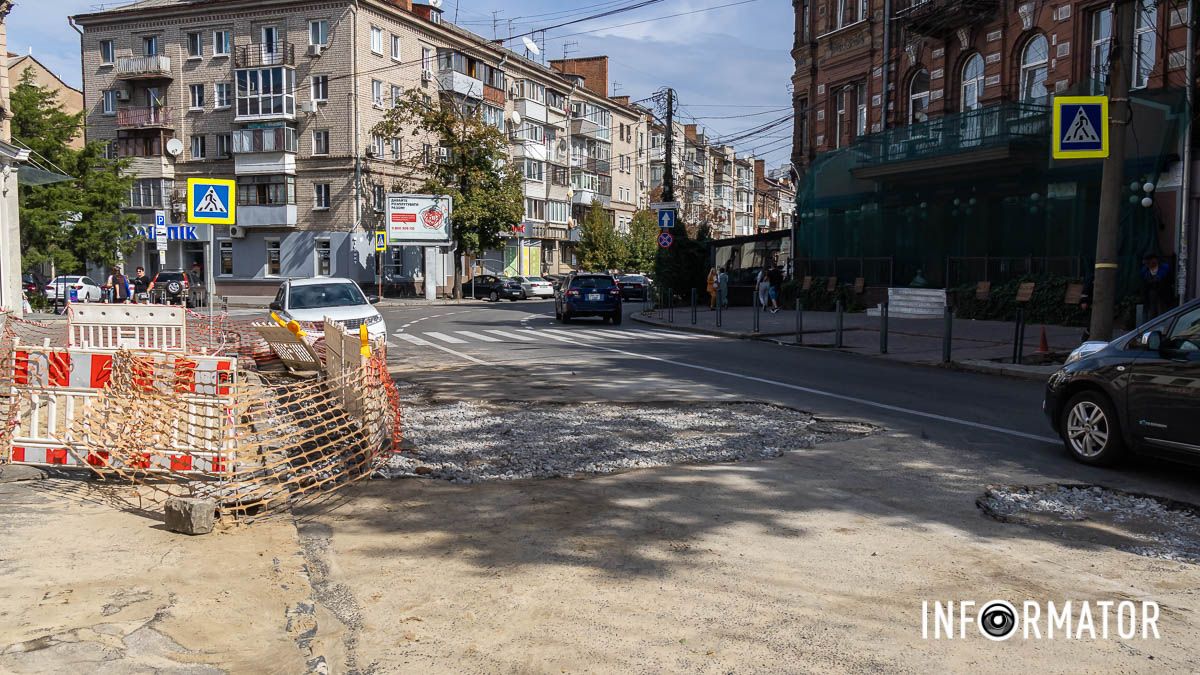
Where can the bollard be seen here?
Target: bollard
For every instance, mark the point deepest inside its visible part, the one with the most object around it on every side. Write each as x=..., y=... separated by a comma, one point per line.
x=757, y=307
x=1139, y=315
x=883, y=328
x=1021, y=341
x=718, y=312
x=693, y=307
x=1018, y=335
x=947, y=333
x=799, y=322
x=670, y=306
x=837, y=334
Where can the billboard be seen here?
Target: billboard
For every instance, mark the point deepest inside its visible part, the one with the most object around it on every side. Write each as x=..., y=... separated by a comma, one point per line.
x=418, y=220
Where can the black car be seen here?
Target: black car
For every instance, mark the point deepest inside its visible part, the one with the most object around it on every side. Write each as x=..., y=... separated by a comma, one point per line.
x=633, y=286
x=170, y=287
x=494, y=288
x=1140, y=392
x=589, y=295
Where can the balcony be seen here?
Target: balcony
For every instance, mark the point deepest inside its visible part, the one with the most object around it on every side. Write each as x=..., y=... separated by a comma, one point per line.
x=592, y=164
x=453, y=82
x=991, y=133
x=265, y=54
x=494, y=95
x=145, y=117
x=281, y=215
x=152, y=167
x=582, y=126
x=940, y=18
x=531, y=110
x=264, y=151
x=144, y=68
x=548, y=232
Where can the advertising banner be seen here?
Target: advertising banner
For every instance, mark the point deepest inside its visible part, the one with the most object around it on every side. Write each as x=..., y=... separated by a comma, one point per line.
x=420, y=220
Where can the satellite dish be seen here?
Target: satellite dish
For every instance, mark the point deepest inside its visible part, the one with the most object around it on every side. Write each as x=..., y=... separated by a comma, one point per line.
x=515, y=118
x=175, y=147
x=531, y=45
x=436, y=4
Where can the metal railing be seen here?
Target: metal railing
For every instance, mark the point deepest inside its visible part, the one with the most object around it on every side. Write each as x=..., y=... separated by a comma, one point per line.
x=265, y=54
x=874, y=271
x=962, y=270
x=990, y=126
x=144, y=117
x=143, y=66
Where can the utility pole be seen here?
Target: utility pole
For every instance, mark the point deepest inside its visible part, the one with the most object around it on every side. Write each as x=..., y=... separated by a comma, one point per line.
x=1120, y=114
x=669, y=165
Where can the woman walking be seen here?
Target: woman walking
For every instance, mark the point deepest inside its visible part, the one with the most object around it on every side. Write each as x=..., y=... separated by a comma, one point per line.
x=712, y=289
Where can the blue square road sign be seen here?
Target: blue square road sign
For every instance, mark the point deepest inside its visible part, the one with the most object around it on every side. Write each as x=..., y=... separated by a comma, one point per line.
x=666, y=219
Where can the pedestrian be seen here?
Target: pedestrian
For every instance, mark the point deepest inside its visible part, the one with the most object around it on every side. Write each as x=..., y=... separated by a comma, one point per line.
x=196, y=284
x=712, y=289
x=762, y=284
x=141, y=284
x=775, y=279
x=1156, y=286
x=1085, y=305
x=118, y=285
x=723, y=288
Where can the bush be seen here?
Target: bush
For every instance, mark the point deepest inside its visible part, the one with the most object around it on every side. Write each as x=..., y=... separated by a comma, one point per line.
x=817, y=298
x=1047, y=305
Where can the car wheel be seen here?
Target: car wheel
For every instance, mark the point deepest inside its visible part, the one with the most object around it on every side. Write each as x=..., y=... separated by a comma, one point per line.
x=1091, y=431
x=616, y=318
x=493, y=296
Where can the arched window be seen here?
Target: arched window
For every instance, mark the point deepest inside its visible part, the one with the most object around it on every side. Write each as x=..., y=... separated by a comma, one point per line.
x=918, y=97
x=1034, y=61
x=972, y=83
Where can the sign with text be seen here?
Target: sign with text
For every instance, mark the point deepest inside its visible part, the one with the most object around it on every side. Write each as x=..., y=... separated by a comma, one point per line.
x=160, y=230
x=418, y=219
x=197, y=233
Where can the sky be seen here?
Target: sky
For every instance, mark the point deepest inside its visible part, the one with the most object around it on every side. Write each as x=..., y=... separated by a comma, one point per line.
x=730, y=66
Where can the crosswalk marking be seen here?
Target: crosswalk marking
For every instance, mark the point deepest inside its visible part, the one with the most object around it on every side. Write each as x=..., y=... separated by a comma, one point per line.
x=414, y=339
x=573, y=335
x=477, y=336
x=448, y=339
x=511, y=336
x=666, y=335
x=543, y=333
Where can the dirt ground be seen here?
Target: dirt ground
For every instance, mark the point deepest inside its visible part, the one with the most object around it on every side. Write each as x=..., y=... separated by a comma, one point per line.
x=816, y=561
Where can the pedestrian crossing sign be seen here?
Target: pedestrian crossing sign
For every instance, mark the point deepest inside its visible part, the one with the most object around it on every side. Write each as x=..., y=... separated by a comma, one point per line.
x=381, y=240
x=1080, y=127
x=211, y=201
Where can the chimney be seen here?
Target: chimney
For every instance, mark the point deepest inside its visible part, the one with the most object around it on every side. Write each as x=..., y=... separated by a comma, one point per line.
x=760, y=174
x=593, y=70
x=405, y=5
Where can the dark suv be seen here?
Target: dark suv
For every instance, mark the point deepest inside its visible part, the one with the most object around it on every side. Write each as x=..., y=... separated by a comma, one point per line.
x=1140, y=391
x=169, y=287
x=589, y=295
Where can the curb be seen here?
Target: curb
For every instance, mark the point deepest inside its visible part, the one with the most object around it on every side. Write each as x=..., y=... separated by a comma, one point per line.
x=14, y=473
x=705, y=331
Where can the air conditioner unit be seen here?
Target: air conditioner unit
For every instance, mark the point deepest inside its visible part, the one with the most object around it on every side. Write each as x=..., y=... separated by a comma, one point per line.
x=371, y=152
x=427, y=75
x=236, y=232
x=122, y=94
x=308, y=106
x=315, y=50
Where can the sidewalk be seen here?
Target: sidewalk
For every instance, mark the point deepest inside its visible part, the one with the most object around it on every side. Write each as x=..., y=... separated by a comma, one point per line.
x=262, y=301
x=977, y=345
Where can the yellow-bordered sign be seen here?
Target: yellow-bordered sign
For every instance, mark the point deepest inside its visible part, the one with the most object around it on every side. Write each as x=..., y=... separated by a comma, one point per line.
x=1080, y=127
x=212, y=201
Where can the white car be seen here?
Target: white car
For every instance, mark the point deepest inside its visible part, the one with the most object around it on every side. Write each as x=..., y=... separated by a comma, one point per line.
x=85, y=289
x=537, y=287
x=312, y=300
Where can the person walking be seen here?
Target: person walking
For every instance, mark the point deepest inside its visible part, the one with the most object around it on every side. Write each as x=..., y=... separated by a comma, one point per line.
x=118, y=286
x=712, y=289
x=141, y=283
x=723, y=288
x=1156, y=286
x=762, y=284
x=775, y=279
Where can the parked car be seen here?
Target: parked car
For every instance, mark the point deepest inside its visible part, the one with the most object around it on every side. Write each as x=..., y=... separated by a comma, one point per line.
x=170, y=287
x=33, y=284
x=536, y=287
x=633, y=286
x=85, y=289
x=1140, y=392
x=589, y=295
x=494, y=288
x=311, y=301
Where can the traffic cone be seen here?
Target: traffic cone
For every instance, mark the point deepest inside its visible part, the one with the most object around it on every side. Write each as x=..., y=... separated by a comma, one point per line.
x=1043, y=344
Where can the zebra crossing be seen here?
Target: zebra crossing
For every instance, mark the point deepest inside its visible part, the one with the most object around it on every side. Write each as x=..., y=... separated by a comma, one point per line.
x=542, y=336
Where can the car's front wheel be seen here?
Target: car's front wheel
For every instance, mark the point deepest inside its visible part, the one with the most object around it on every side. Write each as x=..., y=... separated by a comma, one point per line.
x=1091, y=431
x=494, y=297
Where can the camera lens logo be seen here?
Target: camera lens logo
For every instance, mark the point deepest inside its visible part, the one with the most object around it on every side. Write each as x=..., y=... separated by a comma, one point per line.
x=998, y=620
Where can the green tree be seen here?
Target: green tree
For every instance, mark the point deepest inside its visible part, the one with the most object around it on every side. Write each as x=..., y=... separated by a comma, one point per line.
x=73, y=222
x=599, y=247
x=485, y=187
x=641, y=243
x=685, y=264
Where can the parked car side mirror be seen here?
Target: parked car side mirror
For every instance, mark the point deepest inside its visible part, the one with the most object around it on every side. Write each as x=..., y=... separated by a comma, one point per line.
x=1153, y=340
x=275, y=306
x=373, y=299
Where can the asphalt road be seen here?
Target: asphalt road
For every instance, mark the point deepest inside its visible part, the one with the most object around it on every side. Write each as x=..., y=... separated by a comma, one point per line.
x=516, y=350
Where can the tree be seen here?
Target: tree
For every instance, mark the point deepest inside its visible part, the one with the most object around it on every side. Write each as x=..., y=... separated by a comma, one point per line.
x=599, y=247
x=486, y=188
x=684, y=265
x=641, y=244
x=73, y=222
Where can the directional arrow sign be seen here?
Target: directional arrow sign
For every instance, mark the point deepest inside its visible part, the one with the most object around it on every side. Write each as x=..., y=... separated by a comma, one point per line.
x=666, y=219
x=1080, y=127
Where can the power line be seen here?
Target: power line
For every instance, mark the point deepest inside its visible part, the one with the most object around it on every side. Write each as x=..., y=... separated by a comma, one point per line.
x=657, y=18
x=611, y=12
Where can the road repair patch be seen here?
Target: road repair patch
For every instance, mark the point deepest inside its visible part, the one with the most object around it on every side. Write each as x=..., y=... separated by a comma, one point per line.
x=1141, y=524
x=469, y=441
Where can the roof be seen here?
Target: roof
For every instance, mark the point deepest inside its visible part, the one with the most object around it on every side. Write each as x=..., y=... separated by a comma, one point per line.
x=15, y=59
x=316, y=281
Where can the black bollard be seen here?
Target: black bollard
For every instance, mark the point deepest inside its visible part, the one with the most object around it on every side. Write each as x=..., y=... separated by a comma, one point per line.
x=799, y=322
x=1018, y=335
x=947, y=334
x=883, y=328
x=837, y=339
x=693, y=307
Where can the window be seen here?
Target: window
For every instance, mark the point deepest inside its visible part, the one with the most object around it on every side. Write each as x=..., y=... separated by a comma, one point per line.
x=530, y=131
x=275, y=190
x=109, y=103
x=558, y=212
x=223, y=95
x=323, y=257
x=395, y=47
x=377, y=93
x=535, y=209
x=556, y=100
x=320, y=196
x=319, y=86
x=863, y=7
x=918, y=97
x=396, y=148
x=150, y=45
x=273, y=257
x=221, y=43
x=493, y=116
x=377, y=40
x=1102, y=37
x=147, y=193
x=1143, y=42
x=197, y=96
x=195, y=45
x=318, y=33
x=380, y=198
x=108, y=52
x=427, y=154
x=320, y=142
x=839, y=116
x=427, y=58
x=263, y=92
x=198, y=147
x=531, y=90
x=110, y=150
x=1185, y=334
x=397, y=96
x=860, y=110
x=226, y=264
x=533, y=170
x=378, y=145
x=1034, y=61
x=223, y=145
x=271, y=139
x=972, y=83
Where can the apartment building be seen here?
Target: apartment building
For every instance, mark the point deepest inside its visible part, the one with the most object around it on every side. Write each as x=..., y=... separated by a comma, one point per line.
x=923, y=130
x=774, y=198
x=744, y=187
x=284, y=96
x=69, y=97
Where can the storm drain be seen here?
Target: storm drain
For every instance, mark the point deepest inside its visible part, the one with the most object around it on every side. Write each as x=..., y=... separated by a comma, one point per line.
x=467, y=442
x=1141, y=524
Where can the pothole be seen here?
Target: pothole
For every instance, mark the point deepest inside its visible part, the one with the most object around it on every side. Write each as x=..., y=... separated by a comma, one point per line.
x=1141, y=524
x=467, y=442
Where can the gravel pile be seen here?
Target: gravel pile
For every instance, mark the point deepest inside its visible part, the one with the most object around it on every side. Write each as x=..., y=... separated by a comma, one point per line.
x=468, y=442
x=1146, y=526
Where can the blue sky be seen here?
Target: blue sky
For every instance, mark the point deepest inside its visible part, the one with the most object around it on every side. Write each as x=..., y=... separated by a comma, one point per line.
x=723, y=63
